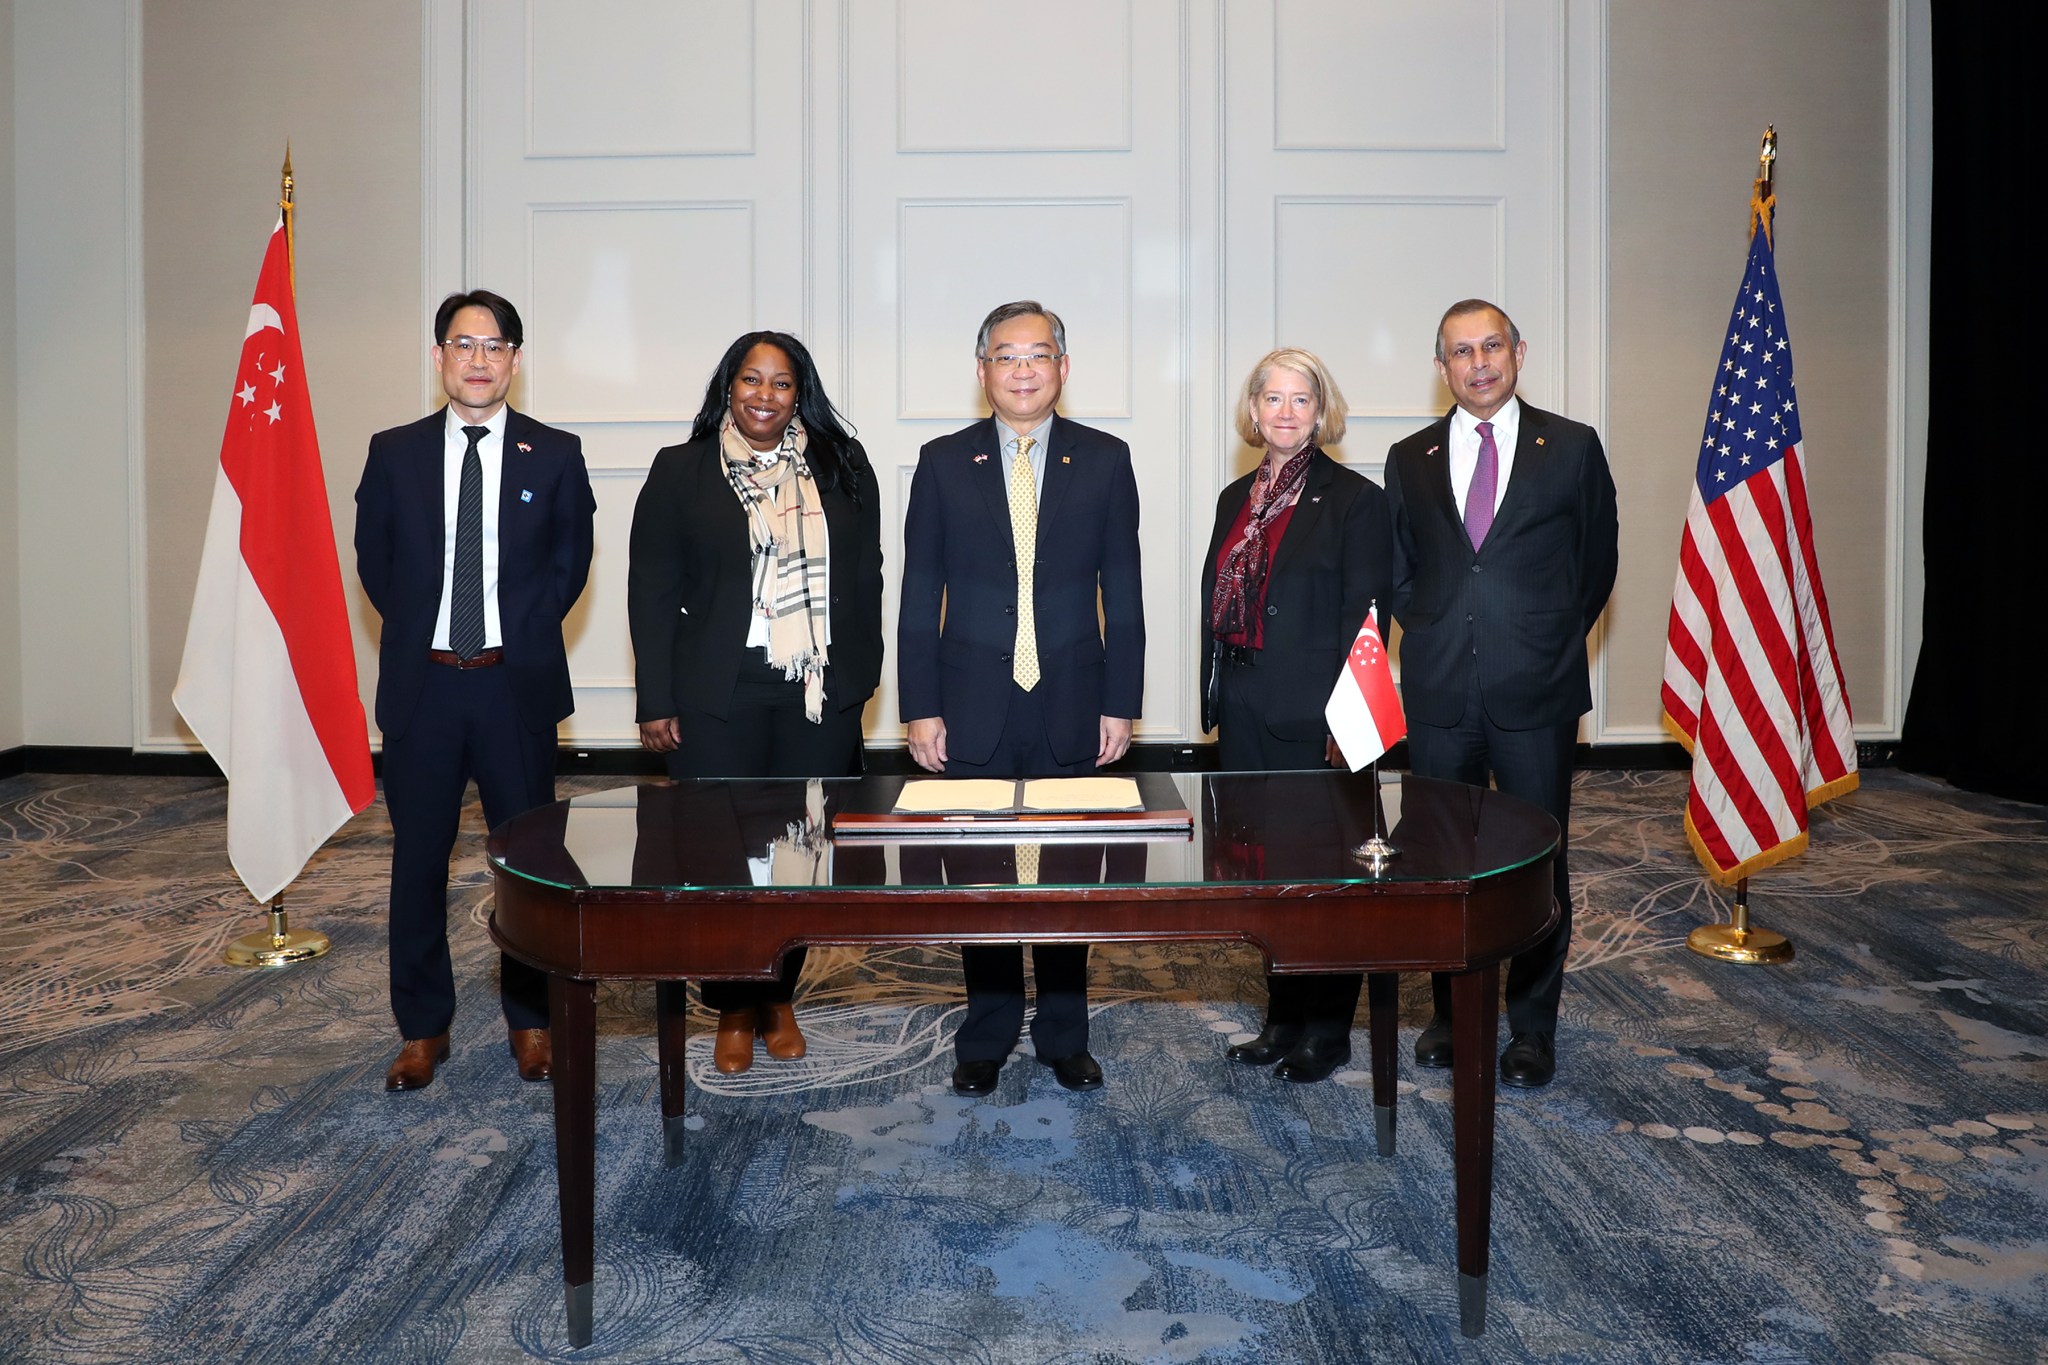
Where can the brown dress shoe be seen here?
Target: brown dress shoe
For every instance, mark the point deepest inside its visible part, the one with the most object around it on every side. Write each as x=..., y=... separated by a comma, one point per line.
x=533, y=1050
x=733, y=1052
x=413, y=1068
x=784, y=1040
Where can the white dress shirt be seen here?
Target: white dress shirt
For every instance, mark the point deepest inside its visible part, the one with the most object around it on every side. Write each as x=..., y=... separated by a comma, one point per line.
x=1464, y=449
x=455, y=445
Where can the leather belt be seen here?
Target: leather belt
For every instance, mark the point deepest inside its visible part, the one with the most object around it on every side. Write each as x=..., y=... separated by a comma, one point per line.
x=489, y=658
x=1243, y=655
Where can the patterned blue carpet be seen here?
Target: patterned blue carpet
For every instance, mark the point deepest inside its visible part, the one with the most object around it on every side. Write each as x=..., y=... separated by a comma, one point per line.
x=1845, y=1159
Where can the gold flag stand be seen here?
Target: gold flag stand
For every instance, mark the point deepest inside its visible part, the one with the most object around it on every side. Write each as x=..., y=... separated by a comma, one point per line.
x=1735, y=941
x=280, y=945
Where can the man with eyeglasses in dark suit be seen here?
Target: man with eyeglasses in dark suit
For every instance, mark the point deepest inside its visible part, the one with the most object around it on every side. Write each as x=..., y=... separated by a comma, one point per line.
x=1016, y=526
x=473, y=540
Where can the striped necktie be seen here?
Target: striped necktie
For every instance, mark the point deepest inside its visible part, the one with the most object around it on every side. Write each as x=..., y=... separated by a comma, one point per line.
x=466, y=605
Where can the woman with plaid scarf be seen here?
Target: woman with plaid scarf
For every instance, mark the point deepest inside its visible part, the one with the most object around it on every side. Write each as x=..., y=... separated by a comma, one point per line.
x=755, y=602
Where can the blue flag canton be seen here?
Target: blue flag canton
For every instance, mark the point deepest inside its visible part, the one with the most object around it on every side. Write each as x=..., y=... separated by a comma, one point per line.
x=1754, y=415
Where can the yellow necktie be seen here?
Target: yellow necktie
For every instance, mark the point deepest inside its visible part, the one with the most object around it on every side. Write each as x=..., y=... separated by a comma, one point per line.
x=1027, y=864
x=1024, y=532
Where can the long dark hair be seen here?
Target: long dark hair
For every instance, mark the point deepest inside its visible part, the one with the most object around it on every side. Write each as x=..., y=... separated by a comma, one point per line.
x=831, y=441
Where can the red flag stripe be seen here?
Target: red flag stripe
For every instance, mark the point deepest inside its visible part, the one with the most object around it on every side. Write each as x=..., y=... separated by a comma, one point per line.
x=293, y=566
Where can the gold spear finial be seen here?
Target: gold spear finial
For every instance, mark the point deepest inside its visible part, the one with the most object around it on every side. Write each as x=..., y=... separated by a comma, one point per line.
x=1762, y=201
x=284, y=204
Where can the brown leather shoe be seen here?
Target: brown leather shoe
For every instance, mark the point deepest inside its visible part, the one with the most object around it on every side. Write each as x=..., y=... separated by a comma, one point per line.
x=784, y=1040
x=533, y=1050
x=413, y=1068
x=733, y=1052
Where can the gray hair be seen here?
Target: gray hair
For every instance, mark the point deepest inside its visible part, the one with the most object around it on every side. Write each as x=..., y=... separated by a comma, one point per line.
x=1022, y=308
x=1465, y=306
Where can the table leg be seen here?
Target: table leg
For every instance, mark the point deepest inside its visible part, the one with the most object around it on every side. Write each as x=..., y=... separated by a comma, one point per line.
x=1382, y=995
x=671, y=1011
x=572, y=1009
x=1475, y=1019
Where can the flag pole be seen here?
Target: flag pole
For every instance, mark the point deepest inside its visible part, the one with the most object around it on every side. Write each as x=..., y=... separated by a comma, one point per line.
x=280, y=945
x=1375, y=851
x=1735, y=941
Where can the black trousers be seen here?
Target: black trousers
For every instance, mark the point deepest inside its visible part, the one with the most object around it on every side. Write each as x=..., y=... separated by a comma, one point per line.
x=1321, y=1006
x=465, y=727
x=994, y=973
x=1535, y=765
x=764, y=733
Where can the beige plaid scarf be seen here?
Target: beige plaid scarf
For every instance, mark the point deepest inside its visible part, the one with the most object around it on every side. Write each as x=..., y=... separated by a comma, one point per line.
x=786, y=527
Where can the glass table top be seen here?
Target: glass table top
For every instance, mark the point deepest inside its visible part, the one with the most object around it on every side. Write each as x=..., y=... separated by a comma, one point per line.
x=1251, y=829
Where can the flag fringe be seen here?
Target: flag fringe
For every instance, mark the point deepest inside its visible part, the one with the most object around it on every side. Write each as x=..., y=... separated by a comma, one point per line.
x=1676, y=731
x=1770, y=857
x=1828, y=791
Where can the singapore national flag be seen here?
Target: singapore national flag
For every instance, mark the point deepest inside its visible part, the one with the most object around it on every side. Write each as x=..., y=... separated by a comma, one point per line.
x=1364, y=710
x=268, y=682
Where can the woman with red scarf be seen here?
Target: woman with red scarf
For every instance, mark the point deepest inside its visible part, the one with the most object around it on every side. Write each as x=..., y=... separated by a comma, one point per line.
x=1302, y=550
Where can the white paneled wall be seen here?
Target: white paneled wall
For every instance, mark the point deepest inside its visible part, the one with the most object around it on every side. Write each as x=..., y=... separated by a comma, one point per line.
x=1188, y=184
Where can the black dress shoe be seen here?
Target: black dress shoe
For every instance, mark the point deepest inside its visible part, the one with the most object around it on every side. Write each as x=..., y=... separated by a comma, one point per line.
x=1433, y=1048
x=1313, y=1059
x=1269, y=1047
x=975, y=1078
x=1078, y=1072
x=1528, y=1061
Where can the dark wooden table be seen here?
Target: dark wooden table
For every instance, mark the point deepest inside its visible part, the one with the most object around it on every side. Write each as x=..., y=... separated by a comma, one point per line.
x=615, y=886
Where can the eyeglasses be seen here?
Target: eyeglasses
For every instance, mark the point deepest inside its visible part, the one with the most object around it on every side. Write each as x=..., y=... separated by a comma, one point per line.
x=492, y=349
x=1008, y=361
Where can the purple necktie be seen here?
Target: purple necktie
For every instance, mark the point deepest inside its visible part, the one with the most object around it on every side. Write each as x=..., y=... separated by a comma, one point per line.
x=1479, y=497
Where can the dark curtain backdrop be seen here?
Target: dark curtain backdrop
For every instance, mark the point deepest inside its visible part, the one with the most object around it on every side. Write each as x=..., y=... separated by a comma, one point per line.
x=1976, y=716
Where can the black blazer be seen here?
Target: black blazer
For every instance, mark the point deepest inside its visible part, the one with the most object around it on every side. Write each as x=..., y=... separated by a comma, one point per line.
x=1335, y=561
x=545, y=509
x=957, y=552
x=1518, y=609
x=690, y=585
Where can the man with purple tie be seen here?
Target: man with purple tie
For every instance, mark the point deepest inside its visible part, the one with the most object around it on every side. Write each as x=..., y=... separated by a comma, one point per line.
x=1504, y=553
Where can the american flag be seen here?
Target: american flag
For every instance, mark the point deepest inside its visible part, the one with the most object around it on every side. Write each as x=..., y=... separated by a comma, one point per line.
x=1752, y=683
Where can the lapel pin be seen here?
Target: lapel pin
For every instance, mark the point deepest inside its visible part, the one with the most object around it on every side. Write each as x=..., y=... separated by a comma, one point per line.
x=1066, y=459
x=981, y=459
x=1432, y=450
x=526, y=495
x=1539, y=440
x=1317, y=498
x=525, y=447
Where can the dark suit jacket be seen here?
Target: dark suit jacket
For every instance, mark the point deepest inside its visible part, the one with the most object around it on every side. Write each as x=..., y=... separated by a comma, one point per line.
x=1334, y=562
x=958, y=556
x=691, y=585
x=1517, y=610
x=544, y=540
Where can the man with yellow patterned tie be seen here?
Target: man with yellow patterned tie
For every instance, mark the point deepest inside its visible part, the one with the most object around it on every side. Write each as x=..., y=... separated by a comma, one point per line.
x=1016, y=526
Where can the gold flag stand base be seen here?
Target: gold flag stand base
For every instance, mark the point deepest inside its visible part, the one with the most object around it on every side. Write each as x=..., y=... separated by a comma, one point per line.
x=281, y=947
x=1735, y=941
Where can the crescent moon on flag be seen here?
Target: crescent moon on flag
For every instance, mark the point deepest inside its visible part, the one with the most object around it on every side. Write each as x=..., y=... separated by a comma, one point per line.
x=262, y=315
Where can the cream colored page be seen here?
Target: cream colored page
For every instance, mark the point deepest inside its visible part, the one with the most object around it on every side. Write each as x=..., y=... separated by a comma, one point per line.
x=1083, y=793
x=934, y=796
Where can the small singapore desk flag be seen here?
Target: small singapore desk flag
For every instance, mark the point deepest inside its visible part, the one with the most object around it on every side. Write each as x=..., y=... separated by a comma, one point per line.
x=268, y=682
x=1364, y=710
